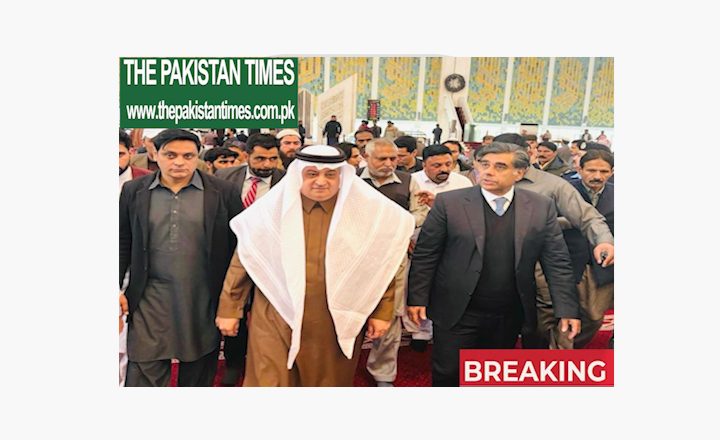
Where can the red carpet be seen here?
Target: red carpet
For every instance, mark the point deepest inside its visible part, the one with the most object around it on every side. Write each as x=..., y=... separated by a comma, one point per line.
x=413, y=367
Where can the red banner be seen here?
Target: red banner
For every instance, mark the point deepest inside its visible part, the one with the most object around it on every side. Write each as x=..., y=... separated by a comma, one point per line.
x=536, y=367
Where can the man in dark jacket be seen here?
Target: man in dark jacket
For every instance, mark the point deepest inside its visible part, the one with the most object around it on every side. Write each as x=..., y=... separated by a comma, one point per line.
x=332, y=130
x=595, y=283
x=176, y=241
x=473, y=268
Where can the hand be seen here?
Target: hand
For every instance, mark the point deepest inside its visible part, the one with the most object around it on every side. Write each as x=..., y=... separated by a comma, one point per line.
x=532, y=153
x=377, y=328
x=426, y=198
x=123, y=309
x=608, y=251
x=228, y=326
x=123, y=304
x=416, y=314
x=572, y=325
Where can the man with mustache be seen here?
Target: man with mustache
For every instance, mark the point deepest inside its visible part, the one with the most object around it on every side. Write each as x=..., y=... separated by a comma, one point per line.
x=548, y=159
x=381, y=174
x=320, y=251
x=253, y=181
x=289, y=142
x=436, y=177
x=596, y=286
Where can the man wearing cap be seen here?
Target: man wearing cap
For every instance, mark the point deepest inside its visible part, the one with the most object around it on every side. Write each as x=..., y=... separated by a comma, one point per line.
x=289, y=142
x=332, y=130
x=320, y=251
x=176, y=241
x=548, y=159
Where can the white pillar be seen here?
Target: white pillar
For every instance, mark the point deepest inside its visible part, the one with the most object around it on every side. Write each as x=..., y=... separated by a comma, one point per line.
x=588, y=91
x=375, y=78
x=548, y=92
x=326, y=74
x=508, y=89
x=421, y=89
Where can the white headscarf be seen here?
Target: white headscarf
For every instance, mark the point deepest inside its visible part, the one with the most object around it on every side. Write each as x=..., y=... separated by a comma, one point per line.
x=367, y=241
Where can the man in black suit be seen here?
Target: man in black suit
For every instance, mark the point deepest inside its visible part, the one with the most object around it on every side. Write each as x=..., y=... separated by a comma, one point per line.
x=332, y=130
x=176, y=241
x=473, y=268
x=252, y=182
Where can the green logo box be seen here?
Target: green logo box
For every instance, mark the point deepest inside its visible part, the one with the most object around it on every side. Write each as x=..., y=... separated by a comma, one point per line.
x=208, y=92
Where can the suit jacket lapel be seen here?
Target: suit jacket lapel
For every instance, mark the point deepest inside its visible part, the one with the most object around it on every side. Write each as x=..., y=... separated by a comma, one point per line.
x=476, y=216
x=275, y=178
x=142, y=197
x=241, y=178
x=211, y=202
x=523, y=215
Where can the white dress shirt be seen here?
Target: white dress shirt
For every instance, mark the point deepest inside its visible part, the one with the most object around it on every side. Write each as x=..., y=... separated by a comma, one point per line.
x=262, y=188
x=490, y=198
x=421, y=182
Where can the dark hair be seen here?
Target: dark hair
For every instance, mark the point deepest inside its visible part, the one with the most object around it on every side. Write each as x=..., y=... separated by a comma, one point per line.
x=125, y=139
x=408, y=142
x=364, y=130
x=346, y=148
x=530, y=137
x=260, y=140
x=595, y=146
x=174, y=134
x=434, y=150
x=233, y=130
x=512, y=138
x=578, y=142
x=521, y=160
x=597, y=154
x=454, y=142
x=214, y=153
x=549, y=145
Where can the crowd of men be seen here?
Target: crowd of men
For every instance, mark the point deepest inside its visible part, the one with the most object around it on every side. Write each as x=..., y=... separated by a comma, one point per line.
x=288, y=256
